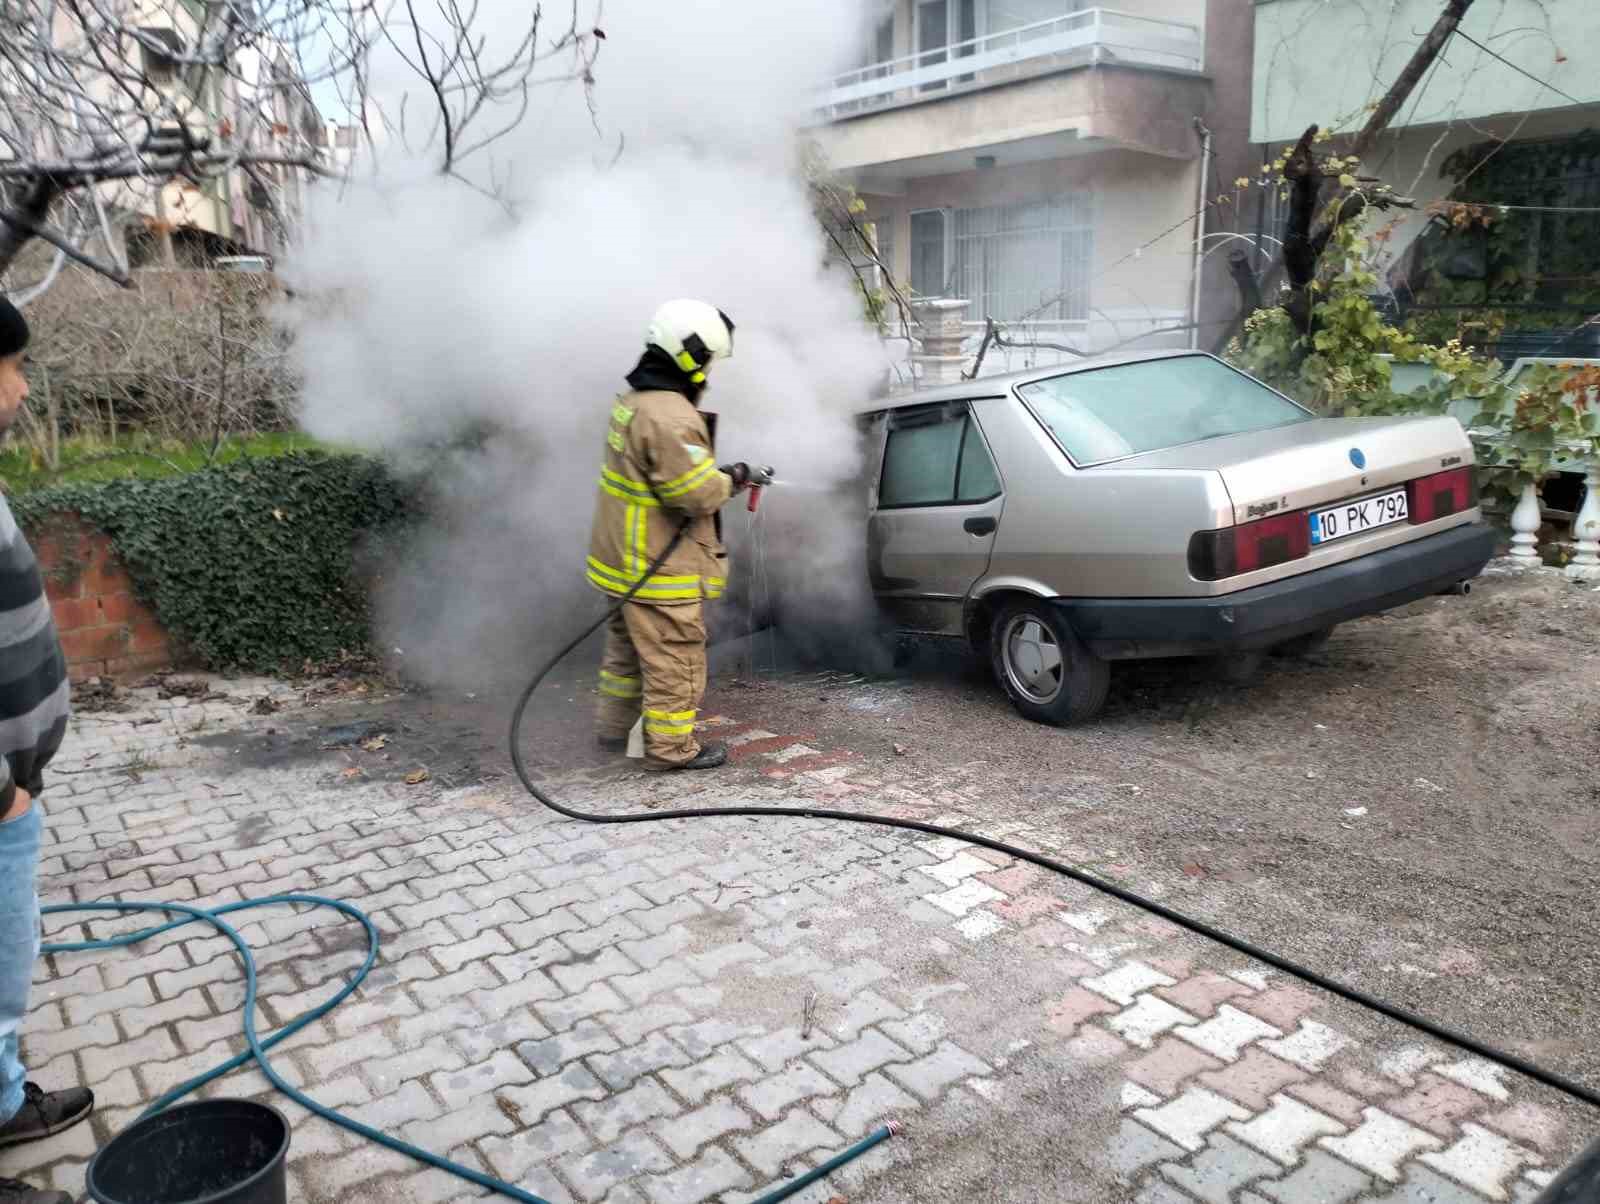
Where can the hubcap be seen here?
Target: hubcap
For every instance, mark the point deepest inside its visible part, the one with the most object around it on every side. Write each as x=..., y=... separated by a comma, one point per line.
x=1033, y=660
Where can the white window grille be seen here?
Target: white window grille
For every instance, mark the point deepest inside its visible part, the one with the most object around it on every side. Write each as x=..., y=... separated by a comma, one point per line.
x=1031, y=259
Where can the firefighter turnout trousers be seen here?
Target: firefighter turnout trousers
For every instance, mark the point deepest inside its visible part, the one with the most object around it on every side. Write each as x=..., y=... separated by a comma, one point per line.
x=659, y=476
x=654, y=662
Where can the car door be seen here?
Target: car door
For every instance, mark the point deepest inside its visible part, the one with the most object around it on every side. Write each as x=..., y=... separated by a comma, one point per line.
x=935, y=510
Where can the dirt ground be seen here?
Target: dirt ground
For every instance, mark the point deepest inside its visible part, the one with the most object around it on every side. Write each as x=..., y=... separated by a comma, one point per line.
x=1413, y=809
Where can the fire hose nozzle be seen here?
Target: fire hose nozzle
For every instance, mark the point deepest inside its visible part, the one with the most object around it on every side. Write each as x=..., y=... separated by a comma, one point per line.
x=760, y=478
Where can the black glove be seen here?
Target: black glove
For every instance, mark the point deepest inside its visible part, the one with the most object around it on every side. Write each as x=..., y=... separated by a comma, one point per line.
x=743, y=475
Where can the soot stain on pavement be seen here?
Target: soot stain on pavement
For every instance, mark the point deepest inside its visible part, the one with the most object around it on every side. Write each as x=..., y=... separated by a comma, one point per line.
x=385, y=740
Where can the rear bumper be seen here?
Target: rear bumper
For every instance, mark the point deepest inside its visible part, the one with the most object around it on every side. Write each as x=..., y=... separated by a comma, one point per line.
x=1138, y=628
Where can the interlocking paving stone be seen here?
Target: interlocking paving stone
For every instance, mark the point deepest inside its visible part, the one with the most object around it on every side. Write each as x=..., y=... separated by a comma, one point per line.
x=1216, y=1172
x=657, y=1015
x=1321, y=1177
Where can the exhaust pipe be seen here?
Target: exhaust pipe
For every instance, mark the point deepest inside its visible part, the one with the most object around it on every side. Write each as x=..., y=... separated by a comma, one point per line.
x=1459, y=590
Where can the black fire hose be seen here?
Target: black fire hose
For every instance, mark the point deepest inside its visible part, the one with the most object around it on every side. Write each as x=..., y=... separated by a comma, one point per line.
x=1239, y=945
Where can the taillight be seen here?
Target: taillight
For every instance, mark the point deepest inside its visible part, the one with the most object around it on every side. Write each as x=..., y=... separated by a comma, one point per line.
x=1441, y=495
x=1214, y=555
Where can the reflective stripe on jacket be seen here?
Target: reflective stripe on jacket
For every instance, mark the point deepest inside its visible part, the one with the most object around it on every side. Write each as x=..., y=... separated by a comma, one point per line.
x=659, y=467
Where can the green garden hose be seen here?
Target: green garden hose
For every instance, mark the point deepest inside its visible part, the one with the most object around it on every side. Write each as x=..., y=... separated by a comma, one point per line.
x=258, y=1047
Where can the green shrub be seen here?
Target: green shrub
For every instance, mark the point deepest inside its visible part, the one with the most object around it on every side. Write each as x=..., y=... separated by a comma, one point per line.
x=259, y=565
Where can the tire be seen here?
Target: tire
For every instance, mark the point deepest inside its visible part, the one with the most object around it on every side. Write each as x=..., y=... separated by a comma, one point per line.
x=1304, y=645
x=1042, y=666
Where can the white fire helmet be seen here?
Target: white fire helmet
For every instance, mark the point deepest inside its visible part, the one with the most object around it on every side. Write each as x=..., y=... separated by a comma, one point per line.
x=693, y=334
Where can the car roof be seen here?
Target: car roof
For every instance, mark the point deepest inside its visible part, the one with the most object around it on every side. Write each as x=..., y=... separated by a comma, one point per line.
x=990, y=386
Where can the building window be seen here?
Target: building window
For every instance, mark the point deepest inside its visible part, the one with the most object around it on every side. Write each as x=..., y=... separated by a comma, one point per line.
x=160, y=67
x=881, y=49
x=1526, y=276
x=942, y=24
x=929, y=234
x=1015, y=14
x=1030, y=259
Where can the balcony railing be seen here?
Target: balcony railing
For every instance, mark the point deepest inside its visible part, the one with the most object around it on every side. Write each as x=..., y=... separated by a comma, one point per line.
x=1095, y=35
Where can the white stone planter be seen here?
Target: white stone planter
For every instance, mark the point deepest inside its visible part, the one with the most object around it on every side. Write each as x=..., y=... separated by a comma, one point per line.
x=939, y=330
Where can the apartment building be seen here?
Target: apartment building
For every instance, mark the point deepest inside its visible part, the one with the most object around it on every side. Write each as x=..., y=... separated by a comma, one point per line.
x=1044, y=161
x=1507, y=119
x=259, y=101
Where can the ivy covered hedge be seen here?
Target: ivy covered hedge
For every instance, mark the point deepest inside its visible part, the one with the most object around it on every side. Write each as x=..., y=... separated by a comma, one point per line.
x=258, y=565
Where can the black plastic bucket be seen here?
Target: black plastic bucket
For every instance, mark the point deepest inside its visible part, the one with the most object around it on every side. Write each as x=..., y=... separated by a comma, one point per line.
x=217, y=1151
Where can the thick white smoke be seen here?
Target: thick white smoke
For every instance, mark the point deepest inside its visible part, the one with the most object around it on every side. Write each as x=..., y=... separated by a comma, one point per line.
x=449, y=315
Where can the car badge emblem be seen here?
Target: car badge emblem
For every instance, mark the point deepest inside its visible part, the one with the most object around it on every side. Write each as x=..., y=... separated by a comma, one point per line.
x=1358, y=457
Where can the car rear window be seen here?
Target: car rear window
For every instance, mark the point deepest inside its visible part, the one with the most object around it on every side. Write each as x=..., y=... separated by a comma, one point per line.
x=1126, y=409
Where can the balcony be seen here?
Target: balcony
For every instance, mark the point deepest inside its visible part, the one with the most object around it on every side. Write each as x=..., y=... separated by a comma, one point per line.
x=1077, y=84
x=1093, y=36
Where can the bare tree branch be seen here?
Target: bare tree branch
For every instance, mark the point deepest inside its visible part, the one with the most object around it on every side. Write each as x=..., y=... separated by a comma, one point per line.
x=1410, y=75
x=198, y=116
x=27, y=228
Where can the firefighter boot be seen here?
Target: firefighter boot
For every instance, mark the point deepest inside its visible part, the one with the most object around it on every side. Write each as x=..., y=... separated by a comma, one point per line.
x=710, y=756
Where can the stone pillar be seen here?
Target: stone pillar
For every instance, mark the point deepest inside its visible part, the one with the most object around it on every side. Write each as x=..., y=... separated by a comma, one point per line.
x=1585, y=565
x=1525, y=522
x=940, y=332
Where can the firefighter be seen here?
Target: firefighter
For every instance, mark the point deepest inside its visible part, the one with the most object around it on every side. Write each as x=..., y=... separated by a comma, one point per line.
x=659, y=472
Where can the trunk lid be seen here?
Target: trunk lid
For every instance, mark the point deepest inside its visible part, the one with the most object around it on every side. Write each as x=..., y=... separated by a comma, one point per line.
x=1321, y=460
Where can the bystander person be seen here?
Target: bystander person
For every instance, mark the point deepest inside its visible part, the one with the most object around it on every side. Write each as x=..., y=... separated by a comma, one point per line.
x=34, y=703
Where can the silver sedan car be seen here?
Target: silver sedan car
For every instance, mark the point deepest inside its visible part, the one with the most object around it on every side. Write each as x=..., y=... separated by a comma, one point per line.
x=1155, y=505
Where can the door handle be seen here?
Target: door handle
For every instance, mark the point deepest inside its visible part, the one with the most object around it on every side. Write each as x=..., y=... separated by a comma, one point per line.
x=982, y=525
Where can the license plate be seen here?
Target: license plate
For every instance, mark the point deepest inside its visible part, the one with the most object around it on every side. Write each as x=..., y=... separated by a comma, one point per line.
x=1352, y=518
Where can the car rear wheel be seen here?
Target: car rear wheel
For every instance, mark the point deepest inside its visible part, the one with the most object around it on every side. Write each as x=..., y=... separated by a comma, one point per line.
x=1044, y=669
x=1304, y=645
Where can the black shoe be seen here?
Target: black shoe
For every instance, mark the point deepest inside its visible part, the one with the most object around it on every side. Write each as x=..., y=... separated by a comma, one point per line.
x=43, y=1114
x=612, y=743
x=709, y=757
x=13, y=1191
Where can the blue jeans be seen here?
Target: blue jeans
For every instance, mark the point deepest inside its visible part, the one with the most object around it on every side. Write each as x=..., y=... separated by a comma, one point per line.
x=19, y=943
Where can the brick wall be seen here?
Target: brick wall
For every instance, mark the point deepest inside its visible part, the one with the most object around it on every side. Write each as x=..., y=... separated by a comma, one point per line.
x=105, y=630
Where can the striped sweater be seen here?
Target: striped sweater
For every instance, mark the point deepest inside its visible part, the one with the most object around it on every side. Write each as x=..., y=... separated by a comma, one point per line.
x=35, y=698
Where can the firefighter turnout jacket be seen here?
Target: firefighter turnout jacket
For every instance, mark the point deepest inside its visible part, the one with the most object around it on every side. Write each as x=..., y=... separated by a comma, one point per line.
x=660, y=468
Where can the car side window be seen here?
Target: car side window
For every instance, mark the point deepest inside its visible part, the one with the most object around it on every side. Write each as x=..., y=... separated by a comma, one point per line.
x=919, y=464
x=936, y=457
x=977, y=479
